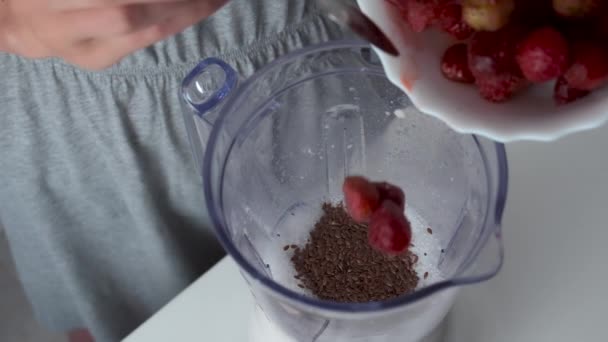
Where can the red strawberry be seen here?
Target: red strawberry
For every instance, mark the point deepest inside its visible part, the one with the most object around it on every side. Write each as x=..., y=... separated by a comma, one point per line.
x=390, y=192
x=500, y=87
x=449, y=19
x=361, y=197
x=492, y=61
x=455, y=66
x=543, y=55
x=589, y=69
x=493, y=53
x=564, y=93
x=389, y=230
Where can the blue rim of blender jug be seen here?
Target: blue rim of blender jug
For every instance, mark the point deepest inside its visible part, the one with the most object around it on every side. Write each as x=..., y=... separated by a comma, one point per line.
x=218, y=221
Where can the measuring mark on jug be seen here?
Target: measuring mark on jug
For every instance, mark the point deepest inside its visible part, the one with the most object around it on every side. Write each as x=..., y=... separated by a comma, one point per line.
x=321, y=331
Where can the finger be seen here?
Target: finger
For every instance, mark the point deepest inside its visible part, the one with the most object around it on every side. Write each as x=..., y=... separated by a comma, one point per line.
x=21, y=40
x=115, y=21
x=84, y=4
x=99, y=54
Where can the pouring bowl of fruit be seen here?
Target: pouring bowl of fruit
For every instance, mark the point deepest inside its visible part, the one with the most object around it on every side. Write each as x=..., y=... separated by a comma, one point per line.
x=505, y=69
x=331, y=256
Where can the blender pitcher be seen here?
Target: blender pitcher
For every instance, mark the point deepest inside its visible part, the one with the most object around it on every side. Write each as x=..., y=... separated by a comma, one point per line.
x=273, y=150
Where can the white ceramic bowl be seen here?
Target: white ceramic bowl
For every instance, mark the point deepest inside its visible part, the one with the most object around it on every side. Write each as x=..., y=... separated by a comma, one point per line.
x=530, y=116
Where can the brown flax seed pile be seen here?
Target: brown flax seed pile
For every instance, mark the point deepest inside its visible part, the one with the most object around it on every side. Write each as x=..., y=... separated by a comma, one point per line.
x=337, y=263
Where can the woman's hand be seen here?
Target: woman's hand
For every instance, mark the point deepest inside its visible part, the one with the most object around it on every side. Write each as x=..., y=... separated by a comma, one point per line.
x=94, y=34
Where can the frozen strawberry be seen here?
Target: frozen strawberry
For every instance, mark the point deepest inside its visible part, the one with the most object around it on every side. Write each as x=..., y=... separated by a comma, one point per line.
x=361, y=198
x=500, y=87
x=589, y=69
x=390, y=192
x=421, y=14
x=455, y=65
x=449, y=19
x=493, y=53
x=389, y=230
x=543, y=55
x=564, y=93
x=487, y=15
x=575, y=8
x=493, y=62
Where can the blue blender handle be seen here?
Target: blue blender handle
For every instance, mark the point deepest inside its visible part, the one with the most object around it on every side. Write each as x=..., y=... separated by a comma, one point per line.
x=203, y=93
x=207, y=86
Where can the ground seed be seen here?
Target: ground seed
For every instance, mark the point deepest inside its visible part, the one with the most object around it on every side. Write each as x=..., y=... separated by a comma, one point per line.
x=430, y=231
x=286, y=248
x=338, y=264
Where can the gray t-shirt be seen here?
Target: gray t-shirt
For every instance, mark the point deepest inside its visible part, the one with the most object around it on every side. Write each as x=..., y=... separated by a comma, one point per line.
x=99, y=194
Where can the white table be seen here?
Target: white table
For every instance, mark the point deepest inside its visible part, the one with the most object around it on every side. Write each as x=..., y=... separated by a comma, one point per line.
x=554, y=286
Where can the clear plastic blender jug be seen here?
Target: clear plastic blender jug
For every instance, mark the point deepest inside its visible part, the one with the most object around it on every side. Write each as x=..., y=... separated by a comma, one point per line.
x=273, y=150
